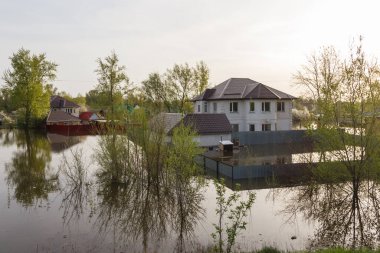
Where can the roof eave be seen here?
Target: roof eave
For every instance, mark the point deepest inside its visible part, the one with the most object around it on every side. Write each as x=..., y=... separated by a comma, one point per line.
x=220, y=99
x=214, y=133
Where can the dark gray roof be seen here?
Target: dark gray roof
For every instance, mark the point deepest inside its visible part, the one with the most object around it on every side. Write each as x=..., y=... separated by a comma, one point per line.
x=60, y=102
x=242, y=88
x=61, y=116
x=207, y=123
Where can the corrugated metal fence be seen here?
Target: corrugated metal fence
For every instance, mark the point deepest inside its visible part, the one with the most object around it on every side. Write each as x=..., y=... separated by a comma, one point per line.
x=221, y=168
x=237, y=172
x=270, y=137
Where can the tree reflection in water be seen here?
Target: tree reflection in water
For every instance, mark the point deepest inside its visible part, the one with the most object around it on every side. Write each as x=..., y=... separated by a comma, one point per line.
x=346, y=209
x=155, y=189
x=77, y=190
x=28, y=172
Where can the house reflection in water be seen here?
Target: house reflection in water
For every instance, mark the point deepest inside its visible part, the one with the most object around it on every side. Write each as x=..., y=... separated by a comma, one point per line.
x=60, y=142
x=261, y=166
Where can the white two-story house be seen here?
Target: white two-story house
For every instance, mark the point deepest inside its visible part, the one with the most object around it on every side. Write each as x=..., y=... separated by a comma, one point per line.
x=58, y=103
x=248, y=105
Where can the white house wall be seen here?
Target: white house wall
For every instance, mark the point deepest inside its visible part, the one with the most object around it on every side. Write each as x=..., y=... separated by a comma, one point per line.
x=73, y=111
x=207, y=140
x=244, y=118
x=211, y=140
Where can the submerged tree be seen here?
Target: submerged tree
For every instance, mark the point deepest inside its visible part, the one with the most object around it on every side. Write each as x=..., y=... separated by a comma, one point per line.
x=231, y=212
x=154, y=188
x=346, y=214
x=113, y=83
x=76, y=188
x=27, y=82
x=347, y=94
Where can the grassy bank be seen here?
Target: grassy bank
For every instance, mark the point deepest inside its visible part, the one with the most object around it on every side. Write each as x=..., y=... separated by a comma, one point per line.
x=332, y=250
x=274, y=250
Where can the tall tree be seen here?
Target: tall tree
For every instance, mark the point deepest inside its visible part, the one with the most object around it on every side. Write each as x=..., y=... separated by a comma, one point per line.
x=95, y=99
x=176, y=86
x=201, y=75
x=321, y=76
x=346, y=91
x=28, y=84
x=158, y=90
x=181, y=78
x=113, y=82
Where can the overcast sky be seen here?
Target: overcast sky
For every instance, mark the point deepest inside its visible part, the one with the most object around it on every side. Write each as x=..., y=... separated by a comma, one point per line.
x=266, y=41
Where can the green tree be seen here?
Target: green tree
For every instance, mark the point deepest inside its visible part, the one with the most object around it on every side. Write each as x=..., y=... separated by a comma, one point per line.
x=181, y=79
x=95, y=99
x=235, y=210
x=28, y=84
x=321, y=76
x=158, y=90
x=176, y=87
x=201, y=75
x=146, y=187
x=6, y=100
x=346, y=91
x=79, y=99
x=112, y=82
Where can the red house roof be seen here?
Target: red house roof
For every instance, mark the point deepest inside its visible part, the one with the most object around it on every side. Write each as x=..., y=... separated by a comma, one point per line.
x=85, y=115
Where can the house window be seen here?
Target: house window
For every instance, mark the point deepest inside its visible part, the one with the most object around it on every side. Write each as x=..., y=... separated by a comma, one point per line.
x=215, y=107
x=265, y=127
x=265, y=106
x=205, y=106
x=281, y=106
x=252, y=127
x=234, y=107
x=252, y=106
x=199, y=108
x=235, y=127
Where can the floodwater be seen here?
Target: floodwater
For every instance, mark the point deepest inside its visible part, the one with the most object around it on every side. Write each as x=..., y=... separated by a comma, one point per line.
x=46, y=207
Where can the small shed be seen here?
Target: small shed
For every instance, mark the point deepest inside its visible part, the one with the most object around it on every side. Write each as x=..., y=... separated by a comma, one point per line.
x=226, y=146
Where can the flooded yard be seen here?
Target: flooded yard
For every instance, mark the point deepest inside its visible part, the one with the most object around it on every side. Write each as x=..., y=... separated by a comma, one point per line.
x=50, y=204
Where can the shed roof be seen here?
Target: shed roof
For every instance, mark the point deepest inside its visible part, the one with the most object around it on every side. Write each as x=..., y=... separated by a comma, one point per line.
x=61, y=116
x=167, y=120
x=207, y=123
x=242, y=88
